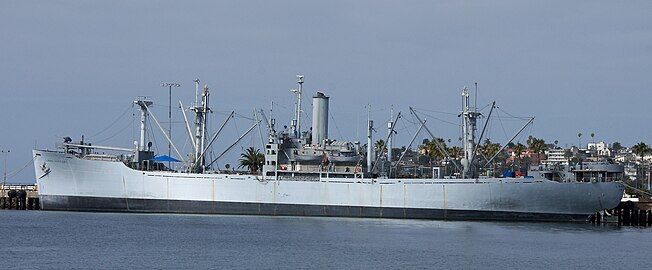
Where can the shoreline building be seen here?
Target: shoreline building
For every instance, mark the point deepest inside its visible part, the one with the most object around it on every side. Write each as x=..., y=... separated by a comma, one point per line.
x=601, y=149
x=556, y=156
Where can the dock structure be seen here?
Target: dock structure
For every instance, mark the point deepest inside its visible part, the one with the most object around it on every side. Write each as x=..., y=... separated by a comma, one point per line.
x=634, y=213
x=19, y=197
x=633, y=210
x=627, y=213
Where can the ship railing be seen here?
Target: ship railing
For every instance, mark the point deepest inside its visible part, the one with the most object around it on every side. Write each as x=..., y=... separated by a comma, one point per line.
x=102, y=157
x=331, y=174
x=296, y=178
x=28, y=187
x=343, y=177
x=600, y=179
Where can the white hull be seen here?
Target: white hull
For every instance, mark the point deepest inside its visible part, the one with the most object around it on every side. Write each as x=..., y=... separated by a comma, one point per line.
x=68, y=183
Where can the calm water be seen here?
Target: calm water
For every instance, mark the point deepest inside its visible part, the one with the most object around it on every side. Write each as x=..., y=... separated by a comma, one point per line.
x=106, y=240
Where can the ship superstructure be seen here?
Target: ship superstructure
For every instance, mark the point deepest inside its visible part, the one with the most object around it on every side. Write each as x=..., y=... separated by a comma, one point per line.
x=583, y=171
x=305, y=173
x=308, y=154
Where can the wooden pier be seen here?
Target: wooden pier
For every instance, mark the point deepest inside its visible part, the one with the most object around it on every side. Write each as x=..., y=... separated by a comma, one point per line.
x=626, y=214
x=19, y=197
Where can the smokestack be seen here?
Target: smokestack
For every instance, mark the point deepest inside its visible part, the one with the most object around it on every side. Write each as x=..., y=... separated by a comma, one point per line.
x=319, y=118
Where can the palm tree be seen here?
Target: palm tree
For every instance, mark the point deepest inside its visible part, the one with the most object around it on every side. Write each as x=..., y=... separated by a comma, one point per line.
x=434, y=148
x=641, y=149
x=489, y=149
x=538, y=146
x=252, y=159
x=616, y=146
x=518, y=152
x=456, y=151
x=579, y=140
x=380, y=146
x=519, y=149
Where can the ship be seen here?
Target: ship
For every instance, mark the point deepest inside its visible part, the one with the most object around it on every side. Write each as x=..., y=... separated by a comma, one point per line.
x=305, y=173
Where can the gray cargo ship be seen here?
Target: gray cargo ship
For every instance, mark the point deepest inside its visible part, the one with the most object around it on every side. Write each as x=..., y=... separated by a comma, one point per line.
x=304, y=174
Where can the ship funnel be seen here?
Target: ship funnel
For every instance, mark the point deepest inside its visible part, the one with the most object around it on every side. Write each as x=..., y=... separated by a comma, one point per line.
x=319, y=118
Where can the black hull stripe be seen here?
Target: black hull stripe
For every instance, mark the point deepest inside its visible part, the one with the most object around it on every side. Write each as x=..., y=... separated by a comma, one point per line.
x=103, y=204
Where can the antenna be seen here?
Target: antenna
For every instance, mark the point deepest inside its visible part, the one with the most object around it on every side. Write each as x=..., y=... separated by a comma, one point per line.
x=299, y=107
x=390, y=137
x=169, y=85
x=295, y=125
x=271, y=116
x=196, y=91
x=476, y=97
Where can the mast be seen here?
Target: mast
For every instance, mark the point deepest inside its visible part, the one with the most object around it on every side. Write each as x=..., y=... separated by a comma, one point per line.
x=200, y=128
x=272, y=122
x=390, y=130
x=143, y=104
x=295, y=126
x=205, y=97
x=469, y=125
x=299, y=107
x=370, y=141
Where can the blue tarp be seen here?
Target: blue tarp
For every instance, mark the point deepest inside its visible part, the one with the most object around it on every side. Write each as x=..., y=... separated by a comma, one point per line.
x=509, y=173
x=165, y=158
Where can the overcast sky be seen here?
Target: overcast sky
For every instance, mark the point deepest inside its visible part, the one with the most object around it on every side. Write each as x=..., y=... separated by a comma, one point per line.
x=69, y=68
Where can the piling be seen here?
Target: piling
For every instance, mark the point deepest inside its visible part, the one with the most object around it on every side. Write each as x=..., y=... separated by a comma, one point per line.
x=19, y=197
x=642, y=217
x=631, y=214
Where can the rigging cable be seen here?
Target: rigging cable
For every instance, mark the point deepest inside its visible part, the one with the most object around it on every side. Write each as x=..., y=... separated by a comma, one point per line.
x=439, y=119
x=112, y=123
x=435, y=111
x=16, y=172
x=501, y=125
x=516, y=117
x=116, y=133
x=335, y=124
